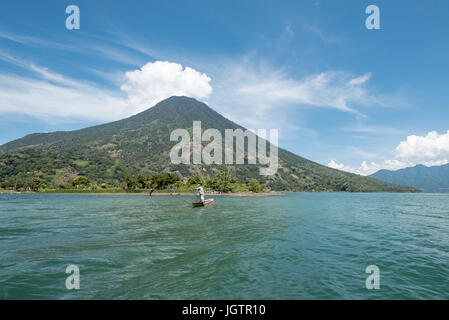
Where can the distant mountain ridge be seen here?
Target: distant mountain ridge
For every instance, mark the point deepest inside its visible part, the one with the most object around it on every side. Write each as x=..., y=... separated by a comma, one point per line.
x=141, y=145
x=427, y=179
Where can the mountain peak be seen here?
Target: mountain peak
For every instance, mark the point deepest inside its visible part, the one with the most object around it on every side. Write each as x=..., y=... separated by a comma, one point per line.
x=183, y=111
x=176, y=105
x=178, y=100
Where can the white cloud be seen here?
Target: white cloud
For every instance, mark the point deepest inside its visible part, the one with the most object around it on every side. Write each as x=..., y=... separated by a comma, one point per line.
x=360, y=80
x=89, y=46
x=52, y=96
x=327, y=89
x=50, y=101
x=341, y=166
x=369, y=168
x=261, y=89
x=160, y=80
x=429, y=150
x=431, y=147
x=255, y=94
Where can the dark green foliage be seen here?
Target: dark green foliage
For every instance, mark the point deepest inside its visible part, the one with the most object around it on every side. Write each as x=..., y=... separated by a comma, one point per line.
x=143, y=181
x=162, y=181
x=130, y=182
x=194, y=180
x=58, y=169
x=140, y=146
x=212, y=183
x=36, y=184
x=255, y=186
x=225, y=182
x=81, y=182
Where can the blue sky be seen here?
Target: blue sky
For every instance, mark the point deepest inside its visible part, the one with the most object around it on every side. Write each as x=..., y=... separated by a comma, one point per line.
x=340, y=94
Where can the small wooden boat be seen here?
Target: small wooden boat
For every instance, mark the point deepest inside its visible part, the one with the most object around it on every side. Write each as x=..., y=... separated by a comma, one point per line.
x=203, y=204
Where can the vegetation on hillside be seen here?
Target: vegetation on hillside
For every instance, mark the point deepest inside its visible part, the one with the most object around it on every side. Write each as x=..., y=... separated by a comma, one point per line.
x=37, y=181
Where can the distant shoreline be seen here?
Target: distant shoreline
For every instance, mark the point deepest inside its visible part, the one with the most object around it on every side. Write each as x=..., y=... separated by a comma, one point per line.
x=240, y=194
x=236, y=194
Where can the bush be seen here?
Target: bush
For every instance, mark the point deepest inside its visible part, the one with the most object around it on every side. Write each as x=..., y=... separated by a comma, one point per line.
x=143, y=181
x=81, y=182
x=225, y=182
x=36, y=184
x=163, y=180
x=254, y=186
x=194, y=180
x=130, y=182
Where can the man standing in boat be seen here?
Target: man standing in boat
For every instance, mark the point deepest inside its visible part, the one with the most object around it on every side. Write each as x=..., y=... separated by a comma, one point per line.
x=200, y=192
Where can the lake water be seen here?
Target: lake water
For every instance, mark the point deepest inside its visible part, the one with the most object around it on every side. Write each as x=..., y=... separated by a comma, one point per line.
x=299, y=246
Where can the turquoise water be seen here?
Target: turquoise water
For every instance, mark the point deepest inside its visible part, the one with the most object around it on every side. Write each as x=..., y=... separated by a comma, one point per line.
x=300, y=246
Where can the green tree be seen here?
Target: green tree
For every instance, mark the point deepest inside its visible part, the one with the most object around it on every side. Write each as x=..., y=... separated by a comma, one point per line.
x=172, y=178
x=212, y=183
x=254, y=185
x=158, y=181
x=225, y=182
x=36, y=184
x=81, y=182
x=130, y=182
x=163, y=180
x=143, y=181
x=194, y=180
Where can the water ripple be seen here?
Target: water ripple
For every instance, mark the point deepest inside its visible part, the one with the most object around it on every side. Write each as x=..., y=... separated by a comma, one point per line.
x=302, y=246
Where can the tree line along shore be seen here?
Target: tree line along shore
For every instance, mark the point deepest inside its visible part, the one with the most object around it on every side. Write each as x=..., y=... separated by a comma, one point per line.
x=158, y=183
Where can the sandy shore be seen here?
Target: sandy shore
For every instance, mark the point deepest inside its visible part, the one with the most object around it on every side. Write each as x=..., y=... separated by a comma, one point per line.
x=9, y=192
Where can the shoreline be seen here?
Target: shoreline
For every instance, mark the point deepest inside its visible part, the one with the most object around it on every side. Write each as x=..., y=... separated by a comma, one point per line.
x=237, y=194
